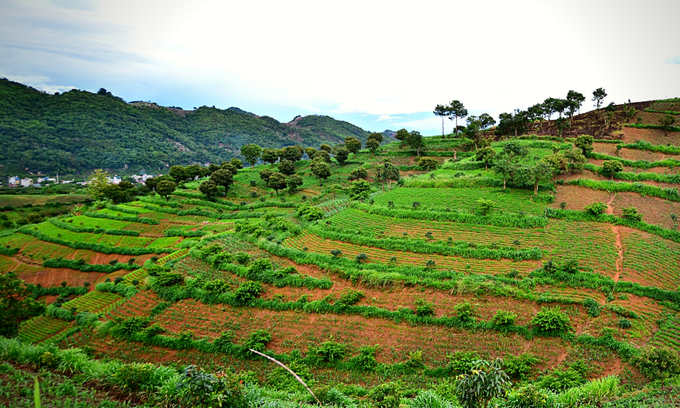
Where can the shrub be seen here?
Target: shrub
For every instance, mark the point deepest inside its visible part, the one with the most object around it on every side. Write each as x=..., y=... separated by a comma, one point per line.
x=427, y=163
x=529, y=396
x=169, y=279
x=385, y=395
x=361, y=257
x=624, y=323
x=596, y=208
x=549, y=320
x=258, y=340
x=365, y=360
x=465, y=312
x=560, y=379
x=485, y=206
x=424, y=308
x=504, y=318
x=242, y=257
x=248, y=291
x=486, y=381
x=132, y=377
x=593, y=307
x=658, y=363
x=351, y=297
x=632, y=213
x=331, y=352
x=519, y=367
x=461, y=362
x=336, y=253
x=200, y=389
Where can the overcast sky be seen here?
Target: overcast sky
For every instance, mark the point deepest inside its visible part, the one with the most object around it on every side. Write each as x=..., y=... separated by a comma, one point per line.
x=378, y=64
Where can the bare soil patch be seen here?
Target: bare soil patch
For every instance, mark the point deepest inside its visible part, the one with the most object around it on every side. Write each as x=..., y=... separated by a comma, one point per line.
x=655, y=210
x=653, y=136
x=49, y=277
x=578, y=197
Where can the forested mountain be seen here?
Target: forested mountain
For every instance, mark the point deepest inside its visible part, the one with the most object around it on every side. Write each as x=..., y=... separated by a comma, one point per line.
x=78, y=131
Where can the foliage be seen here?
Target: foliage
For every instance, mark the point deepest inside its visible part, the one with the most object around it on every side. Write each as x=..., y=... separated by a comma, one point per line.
x=658, y=363
x=258, y=340
x=551, y=320
x=596, y=208
x=427, y=163
x=504, y=318
x=16, y=304
x=248, y=291
x=359, y=190
x=385, y=395
x=201, y=389
x=485, y=381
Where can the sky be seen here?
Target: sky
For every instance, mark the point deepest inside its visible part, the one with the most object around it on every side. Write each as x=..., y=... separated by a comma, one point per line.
x=377, y=64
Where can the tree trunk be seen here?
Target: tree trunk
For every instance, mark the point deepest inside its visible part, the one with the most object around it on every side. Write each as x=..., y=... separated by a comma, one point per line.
x=504, y=180
x=536, y=188
x=442, y=127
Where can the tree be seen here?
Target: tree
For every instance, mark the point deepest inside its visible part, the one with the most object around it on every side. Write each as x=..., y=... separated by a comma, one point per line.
x=427, y=163
x=456, y=110
x=311, y=152
x=16, y=304
x=358, y=173
x=486, y=155
x=177, y=173
x=292, y=153
x=269, y=156
x=287, y=167
x=585, y=143
x=506, y=162
x=320, y=169
x=229, y=167
x=359, y=190
x=576, y=159
x=277, y=181
x=484, y=382
x=251, y=152
x=609, y=112
x=373, y=145
x=561, y=124
x=541, y=171
x=165, y=188
x=194, y=171
x=115, y=193
x=549, y=106
x=415, y=141
x=326, y=148
x=402, y=136
x=577, y=99
x=323, y=155
x=209, y=189
x=352, y=144
x=611, y=167
x=341, y=155
x=666, y=122
x=223, y=178
x=474, y=132
x=97, y=182
x=388, y=173
x=512, y=123
x=598, y=96
x=294, y=182
x=486, y=120
x=377, y=136
x=265, y=174
x=441, y=110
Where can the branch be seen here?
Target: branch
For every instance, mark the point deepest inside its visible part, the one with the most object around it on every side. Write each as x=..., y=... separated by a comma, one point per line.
x=290, y=371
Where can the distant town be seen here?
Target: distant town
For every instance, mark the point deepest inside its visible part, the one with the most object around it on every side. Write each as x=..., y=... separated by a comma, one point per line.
x=42, y=181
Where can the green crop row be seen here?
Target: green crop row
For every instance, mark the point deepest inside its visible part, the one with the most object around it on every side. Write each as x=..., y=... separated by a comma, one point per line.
x=68, y=226
x=178, y=232
x=645, y=145
x=157, y=201
x=645, y=126
x=123, y=209
x=8, y=251
x=141, y=220
x=572, y=215
x=160, y=209
x=661, y=178
x=499, y=220
x=57, y=290
x=660, y=111
x=93, y=247
x=82, y=266
x=117, y=288
x=670, y=194
x=465, y=165
x=642, y=164
x=424, y=247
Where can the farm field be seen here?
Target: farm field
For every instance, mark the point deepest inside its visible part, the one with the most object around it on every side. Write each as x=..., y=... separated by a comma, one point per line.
x=355, y=284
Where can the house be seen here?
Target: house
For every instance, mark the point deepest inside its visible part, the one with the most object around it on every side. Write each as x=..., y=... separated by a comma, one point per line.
x=14, y=181
x=26, y=182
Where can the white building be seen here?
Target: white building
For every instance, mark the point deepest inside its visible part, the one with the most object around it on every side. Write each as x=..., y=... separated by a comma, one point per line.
x=26, y=182
x=14, y=181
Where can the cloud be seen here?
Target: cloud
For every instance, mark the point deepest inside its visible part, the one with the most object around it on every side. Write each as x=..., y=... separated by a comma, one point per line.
x=86, y=5
x=387, y=117
x=673, y=60
x=41, y=83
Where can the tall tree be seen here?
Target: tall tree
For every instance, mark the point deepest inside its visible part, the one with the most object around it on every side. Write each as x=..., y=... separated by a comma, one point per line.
x=541, y=171
x=598, y=96
x=209, y=189
x=402, y=136
x=287, y=167
x=486, y=120
x=165, y=188
x=277, y=181
x=251, y=152
x=576, y=98
x=294, y=181
x=292, y=153
x=457, y=110
x=16, y=304
x=270, y=156
x=223, y=177
x=415, y=141
x=320, y=169
x=441, y=110
x=506, y=163
x=341, y=155
x=97, y=182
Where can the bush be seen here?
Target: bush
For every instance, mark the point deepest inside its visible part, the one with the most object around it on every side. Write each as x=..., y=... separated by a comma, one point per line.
x=242, y=257
x=385, y=395
x=430, y=399
x=624, y=323
x=504, y=318
x=351, y=297
x=365, y=360
x=486, y=381
x=465, y=312
x=529, y=396
x=167, y=279
x=258, y=340
x=424, y=308
x=330, y=352
x=485, y=206
x=631, y=213
x=549, y=320
x=519, y=367
x=658, y=363
x=248, y=291
x=596, y=208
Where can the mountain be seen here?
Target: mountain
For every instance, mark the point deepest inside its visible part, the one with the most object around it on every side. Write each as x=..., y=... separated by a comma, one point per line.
x=78, y=131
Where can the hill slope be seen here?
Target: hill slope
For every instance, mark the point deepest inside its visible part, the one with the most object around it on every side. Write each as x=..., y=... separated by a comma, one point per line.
x=79, y=131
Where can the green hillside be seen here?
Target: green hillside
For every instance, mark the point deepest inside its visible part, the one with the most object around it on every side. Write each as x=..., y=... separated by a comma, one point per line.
x=78, y=131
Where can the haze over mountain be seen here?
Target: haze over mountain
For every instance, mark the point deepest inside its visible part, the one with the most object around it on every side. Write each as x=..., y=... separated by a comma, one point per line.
x=78, y=131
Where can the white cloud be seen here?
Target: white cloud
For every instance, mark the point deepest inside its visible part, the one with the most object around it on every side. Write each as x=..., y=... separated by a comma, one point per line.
x=41, y=83
x=380, y=58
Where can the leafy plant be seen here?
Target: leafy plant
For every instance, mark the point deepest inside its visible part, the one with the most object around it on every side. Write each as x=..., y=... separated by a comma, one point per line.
x=485, y=381
x=551, y=320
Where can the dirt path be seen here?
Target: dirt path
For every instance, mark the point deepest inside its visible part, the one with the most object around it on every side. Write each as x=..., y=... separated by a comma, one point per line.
x=619, y=241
